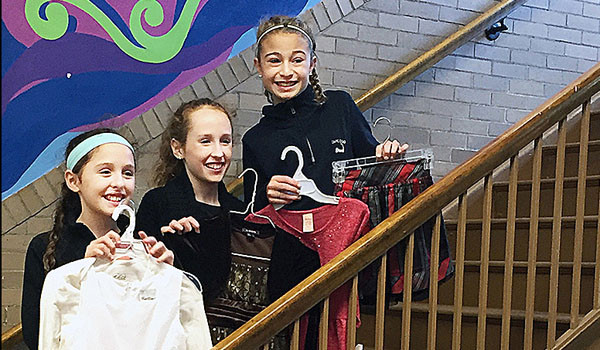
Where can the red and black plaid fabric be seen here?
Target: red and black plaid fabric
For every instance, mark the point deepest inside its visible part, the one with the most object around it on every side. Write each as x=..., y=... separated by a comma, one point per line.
x=385, y=188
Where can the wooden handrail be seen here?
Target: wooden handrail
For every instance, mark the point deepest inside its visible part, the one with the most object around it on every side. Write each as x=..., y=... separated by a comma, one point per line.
x=12, y=336
x=436, y=54
x=396, y=227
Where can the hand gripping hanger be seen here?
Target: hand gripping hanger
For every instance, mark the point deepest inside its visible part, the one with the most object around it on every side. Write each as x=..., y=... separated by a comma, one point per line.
x=308, y=187
x=125, y=246
x=250, y=206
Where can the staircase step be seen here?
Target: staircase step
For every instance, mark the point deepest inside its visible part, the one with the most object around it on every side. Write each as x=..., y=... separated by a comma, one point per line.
x=568, y=182
x=523, y=222
x=419, y=326
x=492, y=313
x=495, y=291
x=542, y=267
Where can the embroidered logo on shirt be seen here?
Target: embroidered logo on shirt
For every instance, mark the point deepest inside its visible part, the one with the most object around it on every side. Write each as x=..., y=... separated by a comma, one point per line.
x=120, y=276
x=341, y=145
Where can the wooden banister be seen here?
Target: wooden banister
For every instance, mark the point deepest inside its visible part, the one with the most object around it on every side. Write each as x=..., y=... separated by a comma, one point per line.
x=12, y=336
x=396, y=227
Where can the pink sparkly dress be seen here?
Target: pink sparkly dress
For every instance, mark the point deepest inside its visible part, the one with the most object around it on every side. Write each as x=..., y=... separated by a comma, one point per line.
x=328, y=230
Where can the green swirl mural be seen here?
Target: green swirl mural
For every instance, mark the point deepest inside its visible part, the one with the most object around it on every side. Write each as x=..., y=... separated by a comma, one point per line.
x=72, y=65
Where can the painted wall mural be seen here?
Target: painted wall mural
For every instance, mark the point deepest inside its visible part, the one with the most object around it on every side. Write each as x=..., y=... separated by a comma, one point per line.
x=72, y=65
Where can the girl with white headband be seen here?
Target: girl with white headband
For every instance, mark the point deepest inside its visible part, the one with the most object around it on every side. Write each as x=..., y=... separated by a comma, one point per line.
x=325, y=125
x=100, y=174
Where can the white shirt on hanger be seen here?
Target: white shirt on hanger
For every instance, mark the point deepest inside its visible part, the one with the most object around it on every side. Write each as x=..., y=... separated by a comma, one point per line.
x=124, y=304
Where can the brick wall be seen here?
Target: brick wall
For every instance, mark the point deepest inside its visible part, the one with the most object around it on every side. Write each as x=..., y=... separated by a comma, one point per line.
x=456, y=107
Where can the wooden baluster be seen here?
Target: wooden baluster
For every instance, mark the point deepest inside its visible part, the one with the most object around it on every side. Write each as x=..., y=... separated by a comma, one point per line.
x=380, y=304
x=323, y=325
x=433, y=284
x=485, y=261
x=534, y=218
x=509, y=251
x=407, y=292
x=352, y=304
x=461, y=233
x=597, y=270
x=580, y=212
x=295, y=341
x=556, y=228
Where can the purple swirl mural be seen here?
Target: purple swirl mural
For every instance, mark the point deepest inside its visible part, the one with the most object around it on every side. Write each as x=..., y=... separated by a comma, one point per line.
x=69, y=66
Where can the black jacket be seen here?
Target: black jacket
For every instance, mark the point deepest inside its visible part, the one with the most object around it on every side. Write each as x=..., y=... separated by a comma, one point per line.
x=205, y=254
x=176, y=200
x=70, y=247
x=335, y=130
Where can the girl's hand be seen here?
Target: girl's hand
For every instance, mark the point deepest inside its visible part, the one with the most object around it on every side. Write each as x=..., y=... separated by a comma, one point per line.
x=282, y=189
x=103, y=247
x=157, y=249
x=389, y=149
x=181, y=226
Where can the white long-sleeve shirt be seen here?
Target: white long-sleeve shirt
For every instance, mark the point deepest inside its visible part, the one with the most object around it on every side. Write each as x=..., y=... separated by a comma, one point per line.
x=124, y=304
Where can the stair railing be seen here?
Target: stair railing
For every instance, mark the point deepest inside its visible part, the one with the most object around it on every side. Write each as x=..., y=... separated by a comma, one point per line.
x=374, y=245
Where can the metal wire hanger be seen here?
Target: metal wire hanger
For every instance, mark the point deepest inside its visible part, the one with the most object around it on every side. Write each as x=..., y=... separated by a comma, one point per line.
x=250, y=206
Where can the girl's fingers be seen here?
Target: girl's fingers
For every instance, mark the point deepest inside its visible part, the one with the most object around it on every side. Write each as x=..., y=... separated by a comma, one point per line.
x=195, y=224
x=167, y=257
x=176, y=225
x=390, y=149
x=113, y=236
x=166, y=229
x=161, y=253
x=187, y=226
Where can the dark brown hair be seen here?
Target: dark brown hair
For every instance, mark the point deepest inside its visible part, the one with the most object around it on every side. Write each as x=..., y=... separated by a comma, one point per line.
x=68, y=208
x=269, y=23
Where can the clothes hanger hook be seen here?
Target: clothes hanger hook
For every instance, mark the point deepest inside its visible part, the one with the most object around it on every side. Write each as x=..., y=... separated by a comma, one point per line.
x=128, y=235
x=253, y=191
x=389, y=124
x=300, y=158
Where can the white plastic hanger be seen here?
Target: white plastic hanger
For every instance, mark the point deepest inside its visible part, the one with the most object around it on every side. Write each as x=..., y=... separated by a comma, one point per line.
x=308, y=187
x=128, y=247
x=250, y=206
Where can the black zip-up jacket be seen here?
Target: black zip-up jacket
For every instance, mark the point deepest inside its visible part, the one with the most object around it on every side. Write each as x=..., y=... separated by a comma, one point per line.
x=335, y=130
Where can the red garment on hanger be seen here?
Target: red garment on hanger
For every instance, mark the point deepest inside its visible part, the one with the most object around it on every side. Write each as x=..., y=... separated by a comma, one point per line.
x=335, y=227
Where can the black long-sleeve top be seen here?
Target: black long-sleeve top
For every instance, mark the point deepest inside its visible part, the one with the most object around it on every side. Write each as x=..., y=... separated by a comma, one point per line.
x=205, y=254
x=335, y=130
x=70, y=247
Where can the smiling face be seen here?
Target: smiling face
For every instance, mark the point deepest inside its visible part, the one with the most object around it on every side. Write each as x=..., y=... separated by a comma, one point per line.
x=103, y=181
x=208, y=146
x=284, y=62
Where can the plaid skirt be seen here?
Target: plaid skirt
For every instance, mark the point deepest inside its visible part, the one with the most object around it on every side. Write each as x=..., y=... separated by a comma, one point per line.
x=385, y=188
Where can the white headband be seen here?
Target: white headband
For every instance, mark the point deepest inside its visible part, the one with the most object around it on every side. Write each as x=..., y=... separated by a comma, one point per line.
x=280, y=26
x=92, y=142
